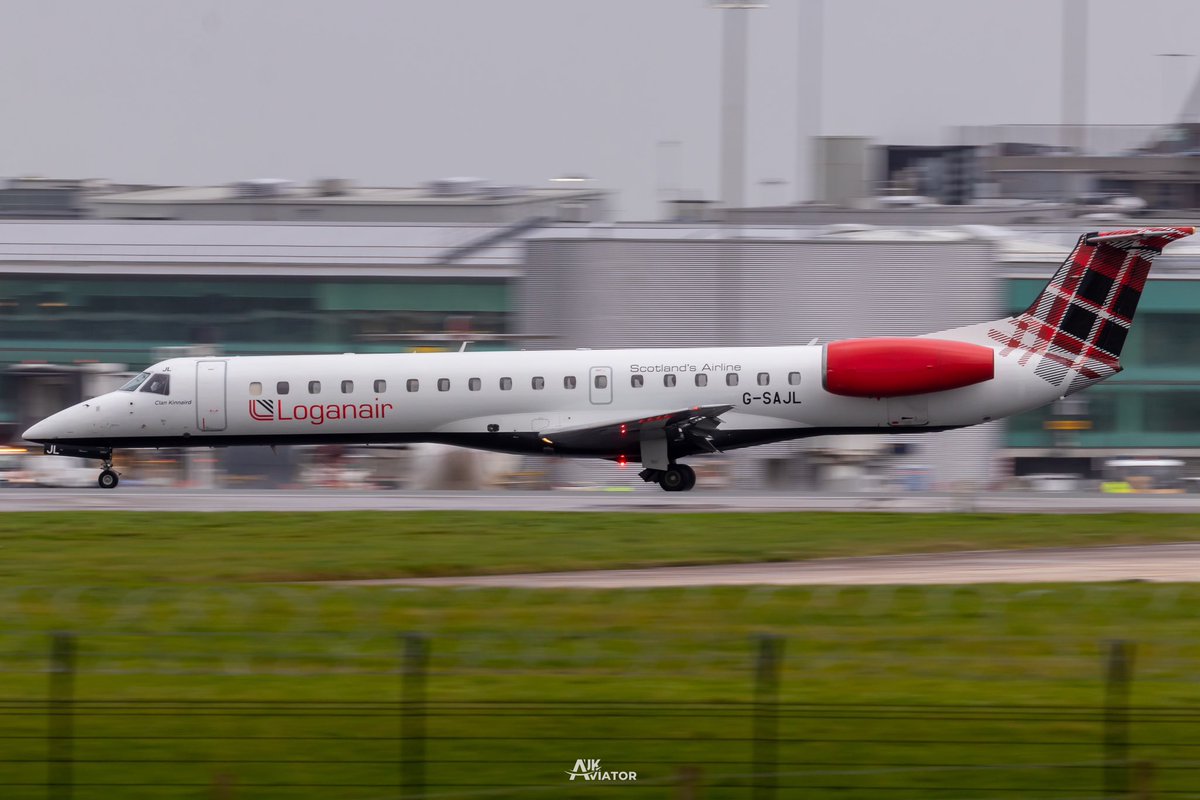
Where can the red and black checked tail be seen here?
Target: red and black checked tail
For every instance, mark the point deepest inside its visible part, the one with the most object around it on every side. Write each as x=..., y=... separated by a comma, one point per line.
x=1078, y=324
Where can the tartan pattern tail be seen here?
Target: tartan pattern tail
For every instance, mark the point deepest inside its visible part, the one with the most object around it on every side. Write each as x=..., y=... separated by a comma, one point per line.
x=1077, y=326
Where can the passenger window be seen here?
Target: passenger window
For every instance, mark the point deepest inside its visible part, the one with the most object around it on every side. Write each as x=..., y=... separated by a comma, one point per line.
x=505, y=384
x=443, y=384
x=539, y=383
x=601, y=381
x=282, y=387
x=413, y=384
x=669, y=379
x=731, y=379
x=794, y=378
x=314, y=387
x=135, y=382
x=255, y=388
x=380, y=386
x=569, y=382
x=701, y=379
x=347, y=387
x=764, y=379
x=158, y=384
x=474, y=384
x=636, y=381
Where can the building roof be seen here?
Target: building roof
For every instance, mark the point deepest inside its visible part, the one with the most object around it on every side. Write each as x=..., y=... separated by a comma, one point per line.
x=243, y=248
x=447, y=250
x=349, y=195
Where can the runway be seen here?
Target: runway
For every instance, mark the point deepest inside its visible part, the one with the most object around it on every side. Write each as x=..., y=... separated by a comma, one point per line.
x=1159, y=563
x=643, y=499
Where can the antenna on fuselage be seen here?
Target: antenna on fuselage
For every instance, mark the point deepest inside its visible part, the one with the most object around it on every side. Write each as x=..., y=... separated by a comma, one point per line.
x=463, y=348
x=814, y=341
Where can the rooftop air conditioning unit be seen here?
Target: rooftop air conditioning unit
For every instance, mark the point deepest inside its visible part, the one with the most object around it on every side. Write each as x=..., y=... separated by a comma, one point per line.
x=333, y=187
x=502, y=192
x=454, y=187
x=263, y=187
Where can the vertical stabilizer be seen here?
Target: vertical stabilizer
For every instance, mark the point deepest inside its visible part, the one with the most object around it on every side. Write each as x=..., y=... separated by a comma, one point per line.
x=1077, y=326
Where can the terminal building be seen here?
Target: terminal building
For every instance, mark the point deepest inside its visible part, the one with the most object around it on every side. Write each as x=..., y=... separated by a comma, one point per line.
x=84, y=299
x=119, y=292
x=650, y=285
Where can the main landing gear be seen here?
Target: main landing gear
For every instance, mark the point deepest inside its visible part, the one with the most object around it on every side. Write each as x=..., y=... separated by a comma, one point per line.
x=108, y=479
x=675, y=478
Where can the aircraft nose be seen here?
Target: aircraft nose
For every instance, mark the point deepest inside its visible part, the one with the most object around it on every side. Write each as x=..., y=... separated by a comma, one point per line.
x=39, y=432
x=55, y=426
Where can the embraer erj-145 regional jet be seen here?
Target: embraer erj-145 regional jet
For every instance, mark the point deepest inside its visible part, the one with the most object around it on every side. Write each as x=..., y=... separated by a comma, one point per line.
x=654, y=406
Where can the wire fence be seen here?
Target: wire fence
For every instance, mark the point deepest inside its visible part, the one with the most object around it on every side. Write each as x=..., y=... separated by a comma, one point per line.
x=409, y=715
x=758, y=693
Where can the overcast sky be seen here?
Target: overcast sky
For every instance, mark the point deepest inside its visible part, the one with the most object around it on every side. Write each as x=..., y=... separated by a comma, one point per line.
x=393, y=92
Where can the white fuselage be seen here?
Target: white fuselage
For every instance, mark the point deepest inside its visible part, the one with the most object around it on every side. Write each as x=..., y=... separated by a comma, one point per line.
x=508, y=400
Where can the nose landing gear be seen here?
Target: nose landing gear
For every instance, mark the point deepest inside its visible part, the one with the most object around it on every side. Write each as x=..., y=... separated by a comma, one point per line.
x=675, y=478
x=109, y=478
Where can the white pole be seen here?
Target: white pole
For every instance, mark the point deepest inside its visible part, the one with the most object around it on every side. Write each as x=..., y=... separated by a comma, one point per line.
x=810, y=96
x=733, y=107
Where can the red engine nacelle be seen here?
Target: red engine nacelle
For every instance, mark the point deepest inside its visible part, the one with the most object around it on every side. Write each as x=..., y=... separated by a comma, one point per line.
x=897, y=367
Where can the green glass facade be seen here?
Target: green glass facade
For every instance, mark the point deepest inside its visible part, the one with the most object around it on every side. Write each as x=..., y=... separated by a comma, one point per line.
x=1154, y=402
x=61, y=319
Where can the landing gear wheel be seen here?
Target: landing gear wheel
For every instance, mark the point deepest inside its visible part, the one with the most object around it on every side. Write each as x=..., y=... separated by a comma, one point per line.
x=674, y=479
x=690, y=474
x=108, y=479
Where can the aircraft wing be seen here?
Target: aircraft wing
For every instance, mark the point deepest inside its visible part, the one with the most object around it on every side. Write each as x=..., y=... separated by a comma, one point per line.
x=695, y=424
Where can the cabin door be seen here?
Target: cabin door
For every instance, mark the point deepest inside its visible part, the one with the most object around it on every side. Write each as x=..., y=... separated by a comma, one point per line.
x=600, y=385
x=210, y=395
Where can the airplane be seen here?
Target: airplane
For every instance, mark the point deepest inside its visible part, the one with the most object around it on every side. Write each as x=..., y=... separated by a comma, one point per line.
x=654, y=406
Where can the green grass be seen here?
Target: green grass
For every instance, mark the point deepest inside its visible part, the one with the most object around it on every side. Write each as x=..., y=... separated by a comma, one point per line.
x=915, y=692
x=107, y=547
x=893, y=692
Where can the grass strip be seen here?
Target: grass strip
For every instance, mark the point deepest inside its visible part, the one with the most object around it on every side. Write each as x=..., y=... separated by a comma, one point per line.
x=100, y=548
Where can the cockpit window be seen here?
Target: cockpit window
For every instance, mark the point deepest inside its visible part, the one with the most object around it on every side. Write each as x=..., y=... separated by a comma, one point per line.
x=158, y=384
x=134, y=382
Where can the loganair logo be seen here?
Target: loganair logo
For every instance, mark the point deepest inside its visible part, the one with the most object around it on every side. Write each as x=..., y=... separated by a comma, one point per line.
x=315, y=413
x=588, y=769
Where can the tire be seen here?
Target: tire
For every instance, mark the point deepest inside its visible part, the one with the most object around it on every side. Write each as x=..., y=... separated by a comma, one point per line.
x=690, y=474
x=673, y=480
x=108, y=479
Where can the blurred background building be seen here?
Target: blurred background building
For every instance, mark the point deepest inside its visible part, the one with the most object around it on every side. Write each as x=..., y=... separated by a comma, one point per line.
x=98, y=279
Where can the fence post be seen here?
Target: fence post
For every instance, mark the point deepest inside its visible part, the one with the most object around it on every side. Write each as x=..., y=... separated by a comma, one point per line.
x=766, y=717
x=60, y=725
x=412, y=715
x=687, y=781
x=222, y=787
x=1143, y=780
x=1118, y=674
